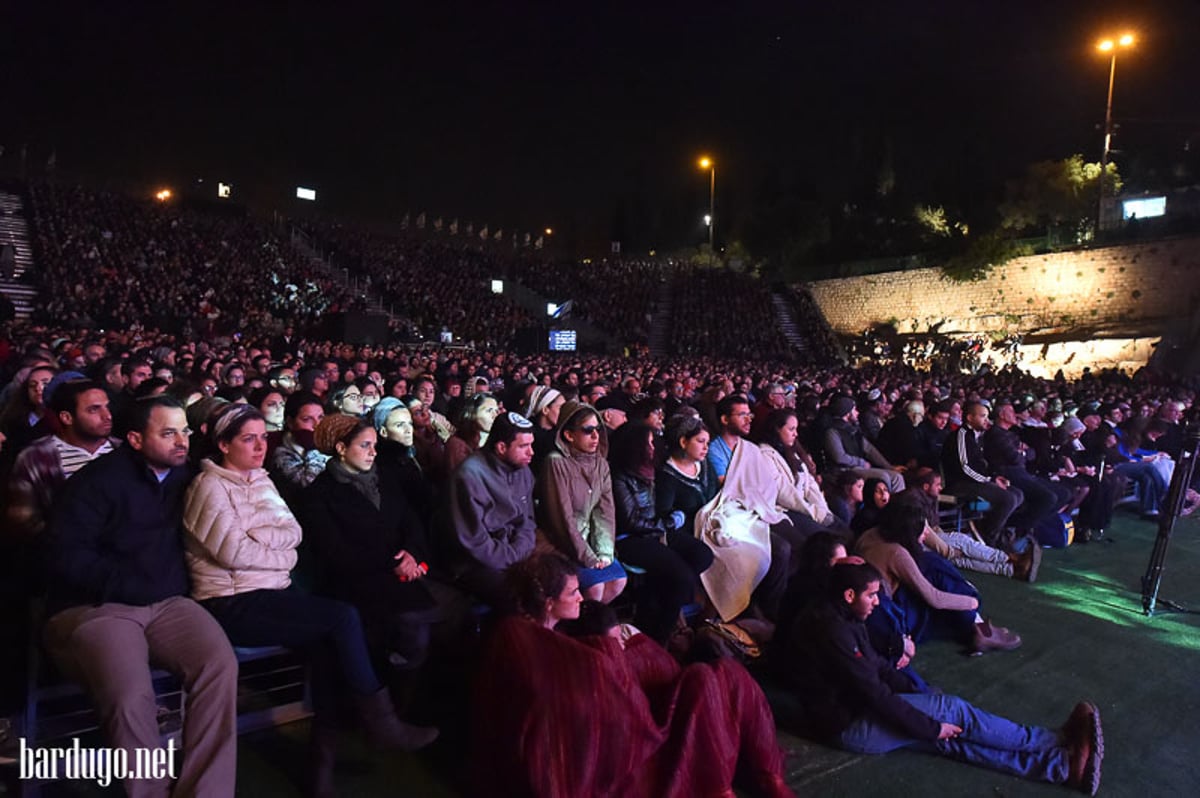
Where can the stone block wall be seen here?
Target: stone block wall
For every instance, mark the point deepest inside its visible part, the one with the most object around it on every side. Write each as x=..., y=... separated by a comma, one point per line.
x=1088, y=292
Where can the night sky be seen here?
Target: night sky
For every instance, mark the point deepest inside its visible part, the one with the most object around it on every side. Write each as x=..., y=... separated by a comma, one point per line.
x=578, y=115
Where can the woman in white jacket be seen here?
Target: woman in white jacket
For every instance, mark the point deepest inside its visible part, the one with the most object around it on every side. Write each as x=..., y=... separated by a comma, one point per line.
x=799, y=495
x=241, y=546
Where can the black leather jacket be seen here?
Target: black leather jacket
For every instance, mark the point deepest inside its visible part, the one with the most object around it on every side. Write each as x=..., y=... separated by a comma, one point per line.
x=634, y=500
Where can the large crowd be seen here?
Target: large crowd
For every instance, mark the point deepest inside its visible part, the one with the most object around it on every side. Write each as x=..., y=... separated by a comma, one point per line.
x=111, y=262
x=106, y=260
x=628, y=529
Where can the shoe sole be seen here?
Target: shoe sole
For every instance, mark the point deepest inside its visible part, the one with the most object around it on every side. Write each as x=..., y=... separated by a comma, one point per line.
x=1091, y=773
x=1036, y=553
x=990, y=647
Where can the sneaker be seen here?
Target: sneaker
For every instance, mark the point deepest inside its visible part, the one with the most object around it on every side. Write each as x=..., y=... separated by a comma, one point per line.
x=994, y=638
x=1085, y=744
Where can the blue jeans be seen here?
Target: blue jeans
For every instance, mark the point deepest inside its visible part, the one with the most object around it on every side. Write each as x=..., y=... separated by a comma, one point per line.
x=987, y=740
x=1150, y=481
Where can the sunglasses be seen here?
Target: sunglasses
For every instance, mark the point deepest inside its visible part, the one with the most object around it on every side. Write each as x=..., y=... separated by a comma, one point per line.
x=590, y=429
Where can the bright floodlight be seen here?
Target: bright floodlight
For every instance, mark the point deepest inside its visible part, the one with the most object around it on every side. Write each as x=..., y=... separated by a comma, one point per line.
x=707, y=220
x=224, y=190
x=497, y=286
x=309, y=194
x=1108, y=45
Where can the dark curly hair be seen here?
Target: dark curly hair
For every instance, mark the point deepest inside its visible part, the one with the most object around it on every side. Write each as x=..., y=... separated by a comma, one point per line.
x=534, y=581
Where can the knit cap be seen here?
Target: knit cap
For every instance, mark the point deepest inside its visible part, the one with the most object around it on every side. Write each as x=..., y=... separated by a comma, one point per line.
x=840, y=406
x=333, y=428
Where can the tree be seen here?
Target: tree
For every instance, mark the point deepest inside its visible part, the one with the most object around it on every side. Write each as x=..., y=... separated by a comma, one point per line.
x=973, y=258
x=1057, y=194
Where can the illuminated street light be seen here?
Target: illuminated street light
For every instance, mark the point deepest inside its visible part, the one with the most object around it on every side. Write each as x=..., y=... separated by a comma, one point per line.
x=1109, y=46
x=549, y=231
x=163, y=195
x=709, y=164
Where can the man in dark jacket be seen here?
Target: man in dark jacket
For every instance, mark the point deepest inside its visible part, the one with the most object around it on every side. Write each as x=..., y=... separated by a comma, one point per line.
x=847, y=447
x=489, y=510
x=855, y=699
x=969, y=476
x=117, y=598
x=1010, y=456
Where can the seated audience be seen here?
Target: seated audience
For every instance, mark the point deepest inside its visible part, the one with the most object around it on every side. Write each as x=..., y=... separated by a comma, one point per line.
x=845, y=495
x=473, y=423
x=931, y=597
x=575, y=502
x=969, y=476
x=84, y=427
x=487, y=516
x=672, y=557
x=241, y=548
x=369, y=546
x=297, y=462
x=117, y=601
x=559, y=716
x=963, y=550
x=847, y=447
x=856, y=700
x=685, y=482
x=543, y=408
x=397, y=457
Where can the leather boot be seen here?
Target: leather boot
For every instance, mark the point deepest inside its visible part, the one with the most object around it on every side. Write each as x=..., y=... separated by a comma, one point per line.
x=994, y=638
x=1026, y=564
x=323, y=753
x=388, y=731
x=1085, y=744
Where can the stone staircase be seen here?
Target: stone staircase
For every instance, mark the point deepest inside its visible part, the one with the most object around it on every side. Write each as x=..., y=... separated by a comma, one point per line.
x=786, y=321
x=14, y=231
x=304, y=244
x=660, y=326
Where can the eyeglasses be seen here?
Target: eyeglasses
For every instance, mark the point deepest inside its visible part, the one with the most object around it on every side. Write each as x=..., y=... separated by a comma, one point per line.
x=590, y=429
x=746, y=414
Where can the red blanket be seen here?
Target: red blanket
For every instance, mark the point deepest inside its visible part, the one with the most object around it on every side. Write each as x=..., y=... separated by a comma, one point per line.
x=562, y=717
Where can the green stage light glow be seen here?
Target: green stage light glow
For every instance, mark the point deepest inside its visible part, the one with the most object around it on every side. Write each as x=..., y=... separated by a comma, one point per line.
x=1089, y=593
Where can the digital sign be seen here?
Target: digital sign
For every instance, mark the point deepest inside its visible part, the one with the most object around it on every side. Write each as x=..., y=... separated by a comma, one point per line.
x=562, y=340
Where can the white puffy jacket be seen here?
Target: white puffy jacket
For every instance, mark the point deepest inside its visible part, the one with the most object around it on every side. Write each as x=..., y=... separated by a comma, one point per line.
x=241, y=534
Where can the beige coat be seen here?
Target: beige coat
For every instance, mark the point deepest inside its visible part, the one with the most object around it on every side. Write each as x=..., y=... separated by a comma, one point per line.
x=241, y=536
x=575, y=510
x=801, y=492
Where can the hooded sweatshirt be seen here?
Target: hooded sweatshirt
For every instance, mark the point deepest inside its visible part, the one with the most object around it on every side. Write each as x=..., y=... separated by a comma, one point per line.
x=575, y=507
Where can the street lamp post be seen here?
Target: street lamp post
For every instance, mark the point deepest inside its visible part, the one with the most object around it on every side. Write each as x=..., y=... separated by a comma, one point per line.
x=709, y=164
x=1109, y=46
